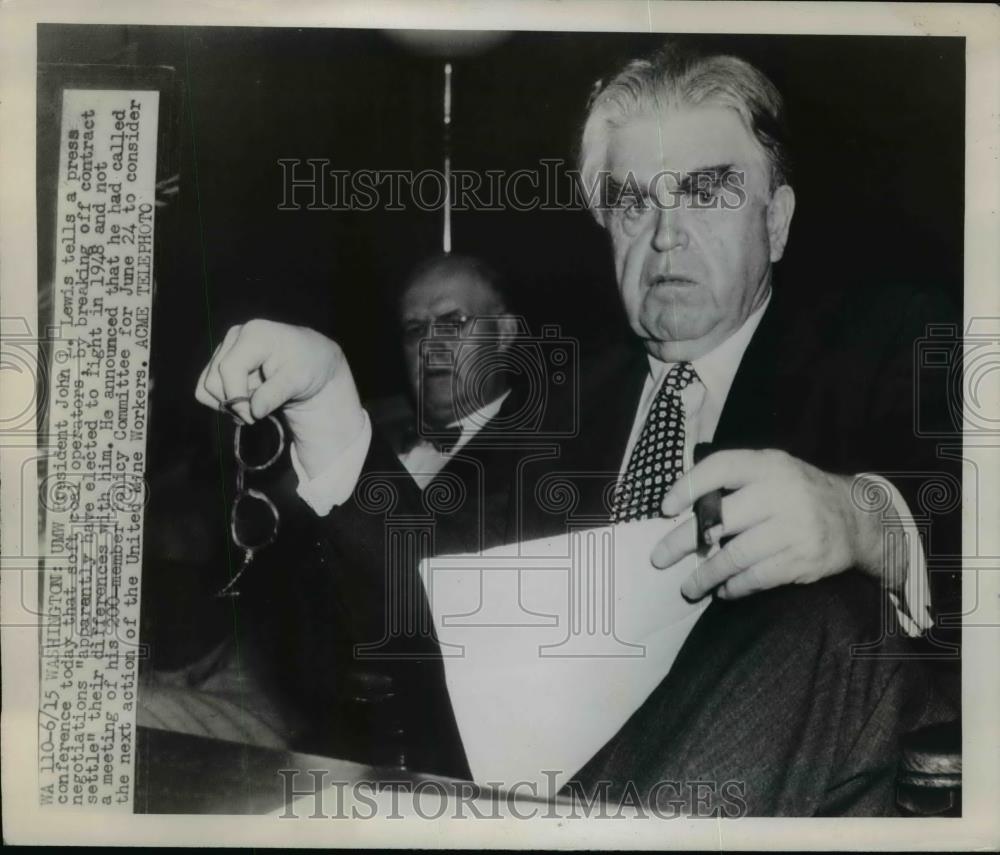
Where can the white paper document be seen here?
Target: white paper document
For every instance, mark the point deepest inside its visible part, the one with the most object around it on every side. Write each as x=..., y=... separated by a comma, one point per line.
x=550, y=645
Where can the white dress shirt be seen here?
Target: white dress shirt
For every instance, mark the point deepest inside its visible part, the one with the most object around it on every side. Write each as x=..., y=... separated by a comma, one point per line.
x=703, y=401
x=704, y=398
x=424, y=460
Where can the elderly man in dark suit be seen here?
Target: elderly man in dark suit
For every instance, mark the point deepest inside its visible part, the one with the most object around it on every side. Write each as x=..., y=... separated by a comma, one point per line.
x=684, y=163
x=461, y=426
x=456, y=330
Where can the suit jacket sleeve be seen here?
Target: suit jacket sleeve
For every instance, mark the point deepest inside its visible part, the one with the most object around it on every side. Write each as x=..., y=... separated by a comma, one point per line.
x=359, y=606
x=918, y=445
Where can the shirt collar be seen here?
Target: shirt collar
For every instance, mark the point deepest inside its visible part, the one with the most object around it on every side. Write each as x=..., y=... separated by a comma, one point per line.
x=717, y=368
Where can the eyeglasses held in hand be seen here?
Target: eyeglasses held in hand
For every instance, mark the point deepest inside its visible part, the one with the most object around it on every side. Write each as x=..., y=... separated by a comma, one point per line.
x=247, y=497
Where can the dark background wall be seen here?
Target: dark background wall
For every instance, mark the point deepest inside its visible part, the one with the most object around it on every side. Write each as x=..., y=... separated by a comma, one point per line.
x=877, y=128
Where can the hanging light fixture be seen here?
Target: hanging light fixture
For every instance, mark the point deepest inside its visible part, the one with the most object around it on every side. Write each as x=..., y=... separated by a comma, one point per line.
x=447, y=44
x=446, y=236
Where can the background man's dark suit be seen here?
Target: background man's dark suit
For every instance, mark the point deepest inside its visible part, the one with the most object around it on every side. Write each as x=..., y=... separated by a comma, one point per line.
x=342, y=590
x=765, y=691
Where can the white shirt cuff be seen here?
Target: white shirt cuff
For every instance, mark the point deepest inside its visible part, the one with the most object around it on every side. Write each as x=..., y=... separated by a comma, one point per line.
x=335, y=485
x=913, y=603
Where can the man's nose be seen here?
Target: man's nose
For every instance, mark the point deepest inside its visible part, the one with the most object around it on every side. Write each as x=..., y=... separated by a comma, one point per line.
x=440, y=353
x=669, y=232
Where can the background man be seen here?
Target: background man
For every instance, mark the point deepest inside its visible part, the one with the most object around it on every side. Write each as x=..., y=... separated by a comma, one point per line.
x=766, y=690
x=455, y=329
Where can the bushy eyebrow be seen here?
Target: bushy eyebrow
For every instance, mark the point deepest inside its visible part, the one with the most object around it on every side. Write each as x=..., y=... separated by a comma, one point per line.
x=689, y=181
x=614, y=188
x=686, y=181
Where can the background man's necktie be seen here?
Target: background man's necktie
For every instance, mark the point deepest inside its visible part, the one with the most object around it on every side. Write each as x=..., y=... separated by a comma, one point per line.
x=658, y=457
x=445, y=439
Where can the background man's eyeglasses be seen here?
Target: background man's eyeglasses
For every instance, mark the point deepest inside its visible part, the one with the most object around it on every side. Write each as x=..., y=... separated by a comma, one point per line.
x=450, y=324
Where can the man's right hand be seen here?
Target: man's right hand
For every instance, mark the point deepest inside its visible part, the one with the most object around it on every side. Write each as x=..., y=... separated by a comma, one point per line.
x=294, y=369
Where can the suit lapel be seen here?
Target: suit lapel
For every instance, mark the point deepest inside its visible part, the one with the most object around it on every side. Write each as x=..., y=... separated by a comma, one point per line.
x=779, y=379
x=610, y=392
x=750, y=416
x=485, y=465
x=769, y=382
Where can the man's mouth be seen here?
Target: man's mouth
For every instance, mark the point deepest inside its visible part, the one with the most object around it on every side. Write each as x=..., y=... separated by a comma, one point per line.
x=672, y=280
x=434, y=372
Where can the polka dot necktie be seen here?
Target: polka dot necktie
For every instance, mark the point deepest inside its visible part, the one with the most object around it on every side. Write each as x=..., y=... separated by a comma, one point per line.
x=658, y=457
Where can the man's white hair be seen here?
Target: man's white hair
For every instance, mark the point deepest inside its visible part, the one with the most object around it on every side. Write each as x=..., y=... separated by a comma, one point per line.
x=674, y=77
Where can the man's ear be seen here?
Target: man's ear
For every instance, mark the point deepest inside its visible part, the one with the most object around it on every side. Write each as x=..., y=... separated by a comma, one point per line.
x=779, y=218
x=507, y=329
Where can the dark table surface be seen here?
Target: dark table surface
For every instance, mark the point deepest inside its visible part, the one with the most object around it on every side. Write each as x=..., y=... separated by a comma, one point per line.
x=176, y=773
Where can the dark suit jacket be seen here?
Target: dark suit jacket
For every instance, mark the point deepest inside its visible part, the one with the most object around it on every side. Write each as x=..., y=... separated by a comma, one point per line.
x=355, y=573
x=835, y=387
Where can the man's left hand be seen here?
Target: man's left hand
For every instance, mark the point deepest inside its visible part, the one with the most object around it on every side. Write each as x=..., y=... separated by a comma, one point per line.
x=788, y=521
